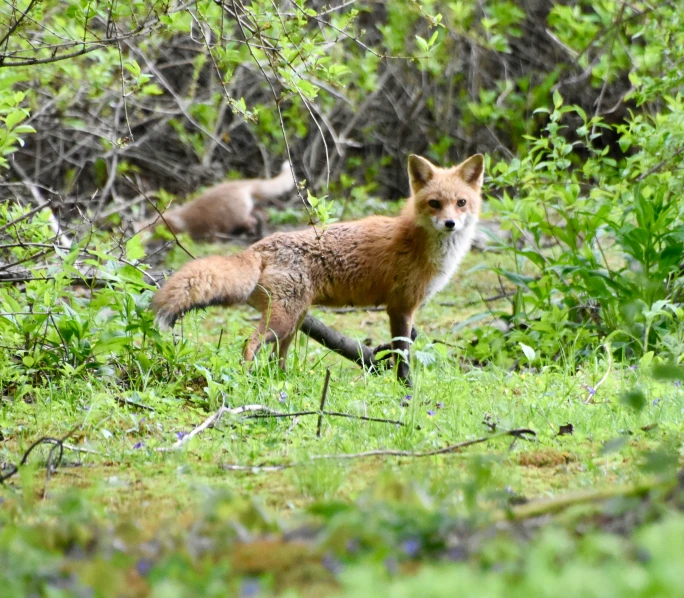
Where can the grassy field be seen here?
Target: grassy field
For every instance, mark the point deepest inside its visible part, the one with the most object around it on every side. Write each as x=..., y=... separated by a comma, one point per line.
x=257, y=506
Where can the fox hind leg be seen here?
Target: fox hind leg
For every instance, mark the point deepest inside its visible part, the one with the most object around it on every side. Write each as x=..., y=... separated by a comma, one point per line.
x=279, y=326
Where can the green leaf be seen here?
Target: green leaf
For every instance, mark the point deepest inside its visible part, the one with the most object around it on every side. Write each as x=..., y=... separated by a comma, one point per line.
x=422, y=43
x=634, y=399
x=134, y=248
x=15, y=117
x=557, y=99
x=528, y=351
x=646, y=360
x=668, y=371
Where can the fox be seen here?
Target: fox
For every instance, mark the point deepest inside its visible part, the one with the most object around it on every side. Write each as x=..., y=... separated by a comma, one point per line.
x=396, y=262
x=226, y=208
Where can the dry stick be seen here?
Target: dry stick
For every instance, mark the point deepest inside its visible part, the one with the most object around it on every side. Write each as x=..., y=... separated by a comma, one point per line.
x=210, y=421
x=134, y=404
x=278, y=415
x=270, y=413
x=549, y=506
x=323, y=399
x=52, y=463
x=517, y=433
x=606, y=348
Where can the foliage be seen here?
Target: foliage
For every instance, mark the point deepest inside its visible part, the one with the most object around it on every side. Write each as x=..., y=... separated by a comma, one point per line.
x=596, y=237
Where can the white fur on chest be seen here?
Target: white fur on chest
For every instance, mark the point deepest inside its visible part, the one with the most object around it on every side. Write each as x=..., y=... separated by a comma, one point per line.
x=449, y=253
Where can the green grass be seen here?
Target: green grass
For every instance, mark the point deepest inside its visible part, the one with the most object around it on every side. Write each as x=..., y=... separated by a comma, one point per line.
x=168, y=496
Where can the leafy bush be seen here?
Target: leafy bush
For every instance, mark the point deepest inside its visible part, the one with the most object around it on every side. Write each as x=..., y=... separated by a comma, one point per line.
x=595, y=233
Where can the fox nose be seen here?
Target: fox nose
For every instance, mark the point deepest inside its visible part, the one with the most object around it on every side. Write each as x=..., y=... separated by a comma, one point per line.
x=449, y=224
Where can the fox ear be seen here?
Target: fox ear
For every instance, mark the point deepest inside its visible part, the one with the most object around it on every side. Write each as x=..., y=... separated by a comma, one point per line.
x=472, y=170
x=420, y=172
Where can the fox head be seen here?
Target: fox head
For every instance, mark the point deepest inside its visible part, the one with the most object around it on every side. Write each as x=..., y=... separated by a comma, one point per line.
x=446, y=199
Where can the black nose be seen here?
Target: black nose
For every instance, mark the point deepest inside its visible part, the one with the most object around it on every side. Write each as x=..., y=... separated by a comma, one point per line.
x=449, y=224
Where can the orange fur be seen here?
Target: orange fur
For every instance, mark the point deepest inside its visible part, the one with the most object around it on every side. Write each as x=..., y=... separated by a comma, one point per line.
x=396, y=262
x=226, y=208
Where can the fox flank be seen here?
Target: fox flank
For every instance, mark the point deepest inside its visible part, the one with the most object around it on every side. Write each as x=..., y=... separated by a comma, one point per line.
x=395, y=262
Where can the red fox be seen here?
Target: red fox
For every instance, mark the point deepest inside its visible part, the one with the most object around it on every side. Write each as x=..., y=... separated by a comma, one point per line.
x=226, y=208
x=396, y=262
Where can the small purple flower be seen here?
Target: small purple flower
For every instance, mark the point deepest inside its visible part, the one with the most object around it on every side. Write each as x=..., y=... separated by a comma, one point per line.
x=332, y=564
x=180, y=435
x=656, y=402
x=457, y=553
x=250, y=588
x=431, y=413
x=591, y=390
x=138, y=445
x=678, y=383
x=352, y=546
x=143, y=420
x=439, y=405
x=411, y=547
x=633, y=367
x=391, y=565
x=408, y=397
x=143, y=567
x=283, y=396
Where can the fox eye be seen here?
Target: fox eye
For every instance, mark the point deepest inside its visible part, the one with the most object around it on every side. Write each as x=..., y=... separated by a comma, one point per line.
x=433, y=203
x=461, y=202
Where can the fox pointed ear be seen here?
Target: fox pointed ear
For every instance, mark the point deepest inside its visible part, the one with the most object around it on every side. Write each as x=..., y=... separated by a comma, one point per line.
x=420, y=172
x=472, y=170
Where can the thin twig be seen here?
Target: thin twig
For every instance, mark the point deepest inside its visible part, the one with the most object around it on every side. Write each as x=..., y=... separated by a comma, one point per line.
x=210, y=421
x=523, y=433
x=52, y=462
x=609, y=357
x=324, y=397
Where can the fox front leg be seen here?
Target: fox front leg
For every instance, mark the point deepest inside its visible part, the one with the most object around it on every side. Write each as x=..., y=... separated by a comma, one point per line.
x=400, y=328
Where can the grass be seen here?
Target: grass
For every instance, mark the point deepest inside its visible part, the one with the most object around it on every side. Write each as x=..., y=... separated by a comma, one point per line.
x=172, y=499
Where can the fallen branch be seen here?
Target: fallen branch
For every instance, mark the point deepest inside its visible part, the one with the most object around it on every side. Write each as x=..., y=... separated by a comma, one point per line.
x=371, y=359
x=524, y=433
x=263, y=412
x=549, y=506
x=53, y=462
x=212, y=420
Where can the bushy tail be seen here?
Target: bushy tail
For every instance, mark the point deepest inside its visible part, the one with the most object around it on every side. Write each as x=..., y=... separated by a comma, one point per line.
x=272, y=188
x=215, y=280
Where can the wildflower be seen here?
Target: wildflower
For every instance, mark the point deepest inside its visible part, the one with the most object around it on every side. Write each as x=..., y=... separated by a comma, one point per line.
x=411, y=547
x=332, y=564
x=138, y=445
x=250, y=588
x=143, y=567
